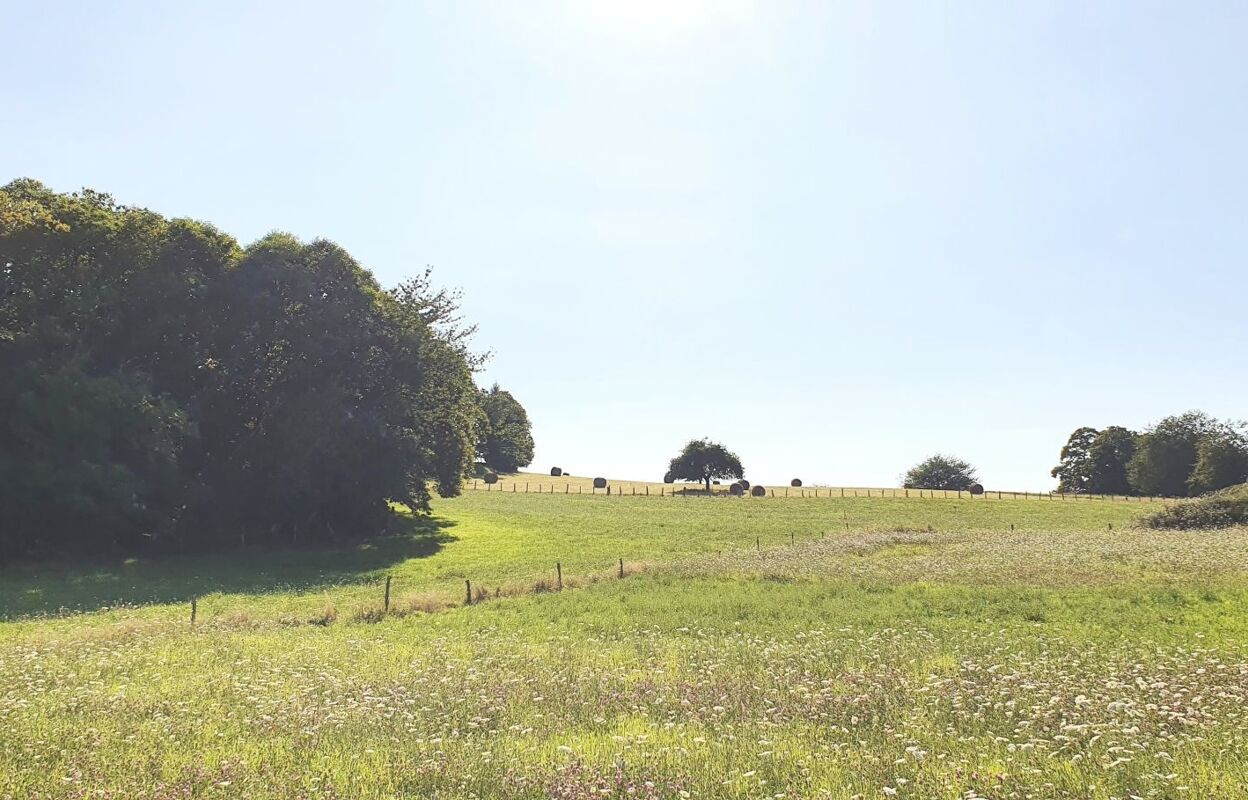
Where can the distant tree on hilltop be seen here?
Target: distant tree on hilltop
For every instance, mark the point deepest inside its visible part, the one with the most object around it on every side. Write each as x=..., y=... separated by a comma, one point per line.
x=941, y=472
x=703, y=460
x=506, y=441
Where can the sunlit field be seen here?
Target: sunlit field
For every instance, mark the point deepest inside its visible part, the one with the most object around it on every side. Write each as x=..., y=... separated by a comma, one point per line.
x=883, y=647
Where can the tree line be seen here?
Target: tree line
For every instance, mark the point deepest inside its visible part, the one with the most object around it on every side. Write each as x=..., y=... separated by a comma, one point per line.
x=164, y=386
x=1180, y=456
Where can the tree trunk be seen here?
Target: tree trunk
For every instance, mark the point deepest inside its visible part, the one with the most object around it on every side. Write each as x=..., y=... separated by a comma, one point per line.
x=708, y=484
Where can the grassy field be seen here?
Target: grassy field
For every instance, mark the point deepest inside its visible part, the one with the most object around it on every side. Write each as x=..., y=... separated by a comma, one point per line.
x=882, y=647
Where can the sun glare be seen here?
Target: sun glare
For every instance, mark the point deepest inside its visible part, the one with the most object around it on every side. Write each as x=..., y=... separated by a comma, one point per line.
x=659, y=21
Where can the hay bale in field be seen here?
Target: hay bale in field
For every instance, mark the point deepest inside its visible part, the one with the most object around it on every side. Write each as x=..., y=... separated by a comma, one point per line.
x=714, y=483
x=555, y=472
x=667, y=478
x=758, y=491
x=795, y=483
x=744, y=484
x=600, y=483
x=490, y=477
x=976, y=488
x=736, y=490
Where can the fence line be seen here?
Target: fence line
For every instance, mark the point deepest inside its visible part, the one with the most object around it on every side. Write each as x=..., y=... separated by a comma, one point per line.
x=669, y=490
x=482, y=594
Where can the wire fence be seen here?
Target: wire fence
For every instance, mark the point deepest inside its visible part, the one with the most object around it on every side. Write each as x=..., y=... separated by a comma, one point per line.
x=668, y=490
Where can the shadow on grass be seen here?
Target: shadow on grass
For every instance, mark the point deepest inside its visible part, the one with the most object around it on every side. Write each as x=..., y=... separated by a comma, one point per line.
x=52, y=588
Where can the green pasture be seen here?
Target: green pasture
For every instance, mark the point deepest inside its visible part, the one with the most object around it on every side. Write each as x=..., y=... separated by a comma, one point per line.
x=868, y=648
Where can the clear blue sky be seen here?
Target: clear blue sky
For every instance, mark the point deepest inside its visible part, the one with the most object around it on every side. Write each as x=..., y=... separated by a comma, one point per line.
x=837, y=237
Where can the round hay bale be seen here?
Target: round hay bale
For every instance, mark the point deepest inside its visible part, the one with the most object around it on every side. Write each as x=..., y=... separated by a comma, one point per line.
x=490, y=477
x=758, y=491
x=736, y=490
x=744, y=484
x=600, y=483
x=795, y=483
x=555, y=472
x=667, y=478
x=714, y=483
x=976, y=488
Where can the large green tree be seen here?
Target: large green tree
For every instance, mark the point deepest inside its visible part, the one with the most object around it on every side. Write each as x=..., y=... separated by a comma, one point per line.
x=1110, y=453
x=1165, y=454
x=1221, y=459
x=505, y=443
x=1074, y=470
x=704, y=461
x=217, y=393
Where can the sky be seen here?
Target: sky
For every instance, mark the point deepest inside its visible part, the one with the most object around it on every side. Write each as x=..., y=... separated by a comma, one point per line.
x=837, y=237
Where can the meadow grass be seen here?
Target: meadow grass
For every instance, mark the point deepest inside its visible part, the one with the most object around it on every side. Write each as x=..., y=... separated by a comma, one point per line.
x=799, y=648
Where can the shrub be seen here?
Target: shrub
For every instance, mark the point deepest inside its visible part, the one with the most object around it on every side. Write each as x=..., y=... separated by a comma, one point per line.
x=370, y=615
x=940, y=472
x=1218, y=510
x=325, y=616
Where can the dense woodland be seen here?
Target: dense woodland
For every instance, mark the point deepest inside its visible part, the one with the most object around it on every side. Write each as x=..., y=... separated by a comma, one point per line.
x=165, y=387
x=1181, y=456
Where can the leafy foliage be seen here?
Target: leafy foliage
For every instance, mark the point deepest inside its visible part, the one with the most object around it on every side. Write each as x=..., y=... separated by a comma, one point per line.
x=1180, y=456
x=1165, y=454
x=703, y=461
x=506, y=439
x=1221, y=460
x=941, y=472
x=1074, y=471
x=1108, y=457
x=1218, y=510
x=169, y=386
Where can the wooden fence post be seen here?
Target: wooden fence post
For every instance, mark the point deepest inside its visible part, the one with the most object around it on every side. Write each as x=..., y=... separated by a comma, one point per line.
x=559, y=575
x=386, y=606
x=194, y=608
x=621, y=568
x=467, y=592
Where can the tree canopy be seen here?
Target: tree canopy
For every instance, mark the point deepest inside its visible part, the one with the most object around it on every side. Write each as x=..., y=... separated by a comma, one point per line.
x=506, y=438
x=1095, y=462
x=1074, y=471
x=705, y=461
x=940, y=472
x=166, y=386
x=1180, y=456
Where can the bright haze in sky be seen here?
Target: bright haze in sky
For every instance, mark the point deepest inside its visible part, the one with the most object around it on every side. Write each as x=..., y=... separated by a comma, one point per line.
x=838, y=237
